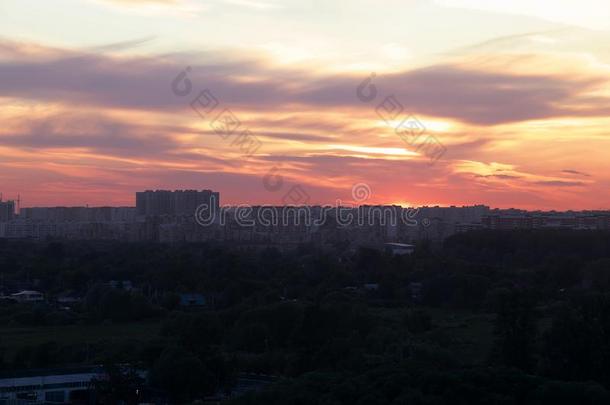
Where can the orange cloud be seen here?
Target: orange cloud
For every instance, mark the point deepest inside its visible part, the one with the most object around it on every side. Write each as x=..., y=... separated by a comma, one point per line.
x=90, y=127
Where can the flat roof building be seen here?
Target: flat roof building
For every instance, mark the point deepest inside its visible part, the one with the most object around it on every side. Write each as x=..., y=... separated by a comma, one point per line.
x=178, y=202
x=7, y=210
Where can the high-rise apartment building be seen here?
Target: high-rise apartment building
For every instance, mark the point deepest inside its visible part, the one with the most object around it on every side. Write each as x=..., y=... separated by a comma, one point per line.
x=7, y=210
x=179, y=202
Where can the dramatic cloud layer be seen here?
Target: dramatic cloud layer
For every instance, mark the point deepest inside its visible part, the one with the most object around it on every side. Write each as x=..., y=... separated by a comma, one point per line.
x=461, y=92
x=521, y=117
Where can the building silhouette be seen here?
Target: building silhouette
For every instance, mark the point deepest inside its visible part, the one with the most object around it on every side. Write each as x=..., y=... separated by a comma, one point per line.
x=178, y=202
x=7, y=210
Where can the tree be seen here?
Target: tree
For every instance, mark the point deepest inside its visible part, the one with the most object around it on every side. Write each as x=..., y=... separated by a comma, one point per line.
x=182, y=375
x=577, y=346
x=121, y=384
x=515, y=330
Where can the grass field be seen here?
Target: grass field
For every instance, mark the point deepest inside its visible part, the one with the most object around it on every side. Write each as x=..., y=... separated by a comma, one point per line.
x=467, y=335
x=13, y=338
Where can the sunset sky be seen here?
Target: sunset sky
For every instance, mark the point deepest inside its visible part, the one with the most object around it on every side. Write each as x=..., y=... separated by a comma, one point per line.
x=518, y=92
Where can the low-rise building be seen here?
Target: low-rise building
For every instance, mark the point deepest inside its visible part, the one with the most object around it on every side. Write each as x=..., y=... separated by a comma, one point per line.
x=192, y=300
x=399, y=248
x=49, y=386
x=28, y=296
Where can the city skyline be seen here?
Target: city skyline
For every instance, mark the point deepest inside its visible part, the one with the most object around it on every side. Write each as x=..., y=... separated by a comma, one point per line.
x=190, y=207
x=195, y=216
x=18, y=203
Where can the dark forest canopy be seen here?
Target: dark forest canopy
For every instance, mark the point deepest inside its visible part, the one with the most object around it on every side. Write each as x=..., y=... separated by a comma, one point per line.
x=504, y=317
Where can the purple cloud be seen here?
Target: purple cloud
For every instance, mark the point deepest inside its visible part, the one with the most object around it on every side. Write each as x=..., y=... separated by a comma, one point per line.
x=469, y=95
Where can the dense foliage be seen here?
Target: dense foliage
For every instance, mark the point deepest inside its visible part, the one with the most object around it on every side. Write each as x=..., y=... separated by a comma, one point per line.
x=490, y=317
